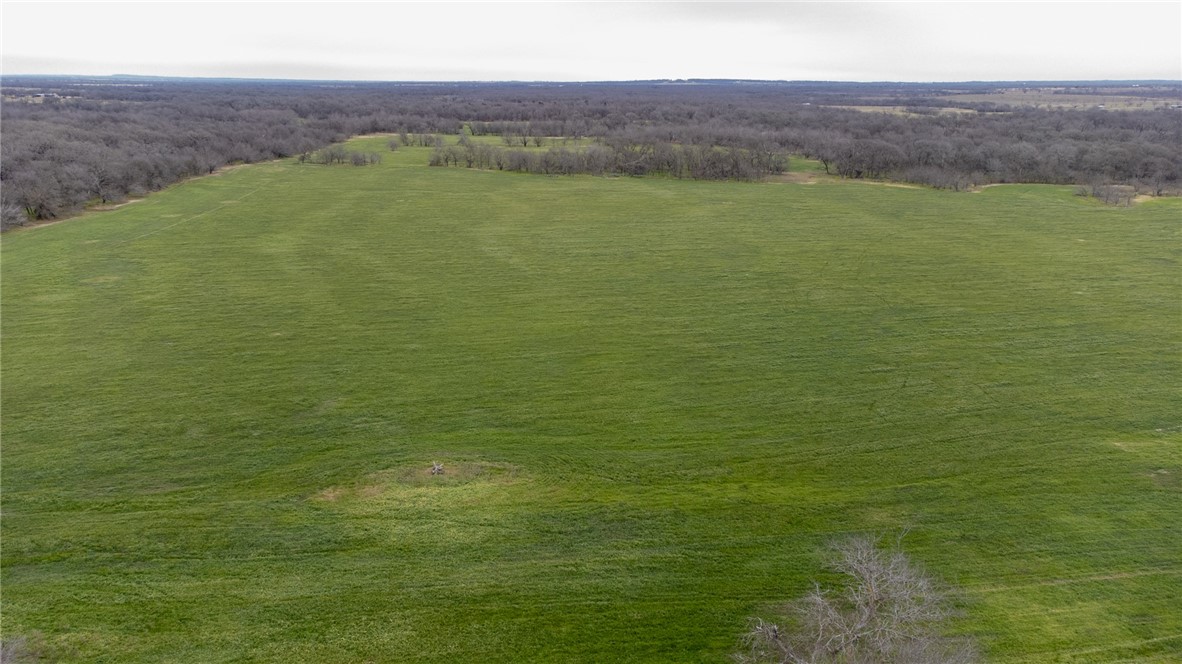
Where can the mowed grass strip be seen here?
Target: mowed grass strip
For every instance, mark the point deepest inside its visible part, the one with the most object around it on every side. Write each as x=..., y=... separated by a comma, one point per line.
x=655, y=402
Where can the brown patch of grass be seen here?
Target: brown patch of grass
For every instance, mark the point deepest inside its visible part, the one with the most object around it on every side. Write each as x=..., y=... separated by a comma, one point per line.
x=222, y=170
x=419, y=477
x=794, y=178
x=370, y=491
x=454, y=472
x=114, y=206
x=22, y=649
x=884, y=183
x=1166, y=479
x=330, y=495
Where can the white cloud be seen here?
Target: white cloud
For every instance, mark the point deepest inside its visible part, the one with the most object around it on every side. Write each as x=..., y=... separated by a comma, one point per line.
x=599, y=41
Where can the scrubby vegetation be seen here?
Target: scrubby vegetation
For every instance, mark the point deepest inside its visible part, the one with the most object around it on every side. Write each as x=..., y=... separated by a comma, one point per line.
x=101, y=140
x=885, y=611
x=621, y=156
x=337, y=154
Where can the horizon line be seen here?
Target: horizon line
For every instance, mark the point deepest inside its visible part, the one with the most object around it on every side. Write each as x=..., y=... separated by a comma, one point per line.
x=585, y=81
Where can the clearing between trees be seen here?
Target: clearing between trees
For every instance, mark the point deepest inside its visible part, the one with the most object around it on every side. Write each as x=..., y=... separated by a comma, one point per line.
x=653, y=401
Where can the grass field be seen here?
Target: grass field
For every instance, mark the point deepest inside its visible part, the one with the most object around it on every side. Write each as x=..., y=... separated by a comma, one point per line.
x=655, y=402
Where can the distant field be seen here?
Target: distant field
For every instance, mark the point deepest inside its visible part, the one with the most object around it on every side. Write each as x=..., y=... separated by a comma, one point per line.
x=904, y=110
x=655, y=401
x=1050, y=99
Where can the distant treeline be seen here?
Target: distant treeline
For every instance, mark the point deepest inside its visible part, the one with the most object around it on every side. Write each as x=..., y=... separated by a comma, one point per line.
x=620, y=155
x=104, y=139
x=337, y=154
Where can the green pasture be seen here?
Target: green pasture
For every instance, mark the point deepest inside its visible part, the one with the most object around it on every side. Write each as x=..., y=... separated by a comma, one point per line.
x=655, y=401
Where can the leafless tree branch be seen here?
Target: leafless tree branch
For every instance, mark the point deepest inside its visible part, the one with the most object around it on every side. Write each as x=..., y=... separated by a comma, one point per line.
x=887, y=611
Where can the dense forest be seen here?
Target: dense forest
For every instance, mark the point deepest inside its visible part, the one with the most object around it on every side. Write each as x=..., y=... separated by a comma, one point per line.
x=70, y=142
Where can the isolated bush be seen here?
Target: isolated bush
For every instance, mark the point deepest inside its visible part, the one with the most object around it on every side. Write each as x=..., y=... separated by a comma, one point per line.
x=21, y=649
x=887, y=611
x=1114, y=194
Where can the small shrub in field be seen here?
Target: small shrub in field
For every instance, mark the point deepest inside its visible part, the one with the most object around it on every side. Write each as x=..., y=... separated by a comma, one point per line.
x=887, y=611
x=21, y=649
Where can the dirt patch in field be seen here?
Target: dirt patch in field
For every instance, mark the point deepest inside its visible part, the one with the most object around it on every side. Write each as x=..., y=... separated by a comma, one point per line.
x=330, y=495
x=893, y=185
x=1166, y=479
x=814, y=178
x=224, y=169
x=795, y=178
x=420, y=477
x=1139, y=198
x=114, y=206
x=452, y=472
x=95, y=208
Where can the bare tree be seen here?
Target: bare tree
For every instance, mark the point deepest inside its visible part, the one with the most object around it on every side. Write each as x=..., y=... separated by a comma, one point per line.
x=888, y=611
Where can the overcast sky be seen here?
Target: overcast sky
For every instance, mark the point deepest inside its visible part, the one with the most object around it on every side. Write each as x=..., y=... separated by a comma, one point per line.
x=581, y=41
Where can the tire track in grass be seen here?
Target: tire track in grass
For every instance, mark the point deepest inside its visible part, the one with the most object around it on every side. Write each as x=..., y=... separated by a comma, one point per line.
x=1095, y=650
x=191, y=218
x=1095, y=578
